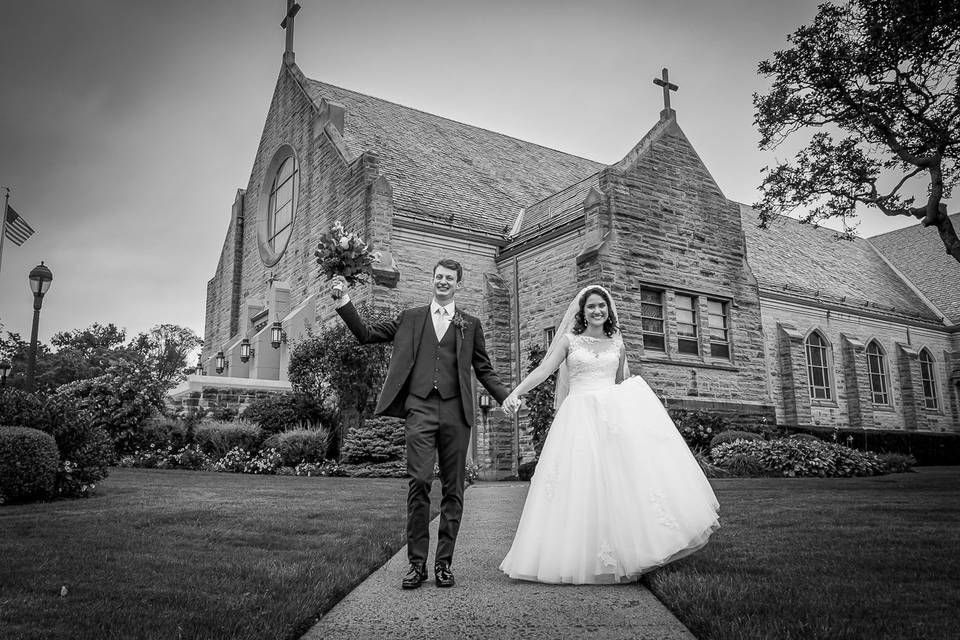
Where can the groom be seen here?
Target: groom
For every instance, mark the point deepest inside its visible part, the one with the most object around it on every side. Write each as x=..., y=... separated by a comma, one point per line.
x=428, y=384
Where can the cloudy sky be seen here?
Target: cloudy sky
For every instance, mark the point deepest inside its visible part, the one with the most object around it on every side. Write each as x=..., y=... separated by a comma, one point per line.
x=126, y=126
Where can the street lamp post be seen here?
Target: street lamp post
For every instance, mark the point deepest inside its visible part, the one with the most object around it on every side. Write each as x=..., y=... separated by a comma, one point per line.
x=40, y=279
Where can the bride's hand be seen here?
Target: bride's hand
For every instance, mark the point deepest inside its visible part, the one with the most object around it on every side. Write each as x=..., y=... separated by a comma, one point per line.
x=512, y=404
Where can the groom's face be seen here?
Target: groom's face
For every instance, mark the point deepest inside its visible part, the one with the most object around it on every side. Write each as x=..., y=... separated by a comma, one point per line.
x=445, y=284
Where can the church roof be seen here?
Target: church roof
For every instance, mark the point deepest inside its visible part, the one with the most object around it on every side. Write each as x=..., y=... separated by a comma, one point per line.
x=919, y=255
x=555, y=210
x=438, y=167
x=803, y=261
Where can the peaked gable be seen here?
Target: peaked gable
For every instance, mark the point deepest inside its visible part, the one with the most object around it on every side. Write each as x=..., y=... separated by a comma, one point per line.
x=440, y=168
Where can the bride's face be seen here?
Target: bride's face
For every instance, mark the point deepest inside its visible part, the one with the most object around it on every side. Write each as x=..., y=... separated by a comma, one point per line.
x=595, y=311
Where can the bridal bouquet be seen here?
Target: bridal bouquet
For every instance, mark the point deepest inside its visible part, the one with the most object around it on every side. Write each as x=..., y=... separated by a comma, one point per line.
x=346, y=255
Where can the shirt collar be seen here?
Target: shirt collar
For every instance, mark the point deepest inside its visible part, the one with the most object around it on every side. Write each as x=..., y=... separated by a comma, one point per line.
x=450, y=307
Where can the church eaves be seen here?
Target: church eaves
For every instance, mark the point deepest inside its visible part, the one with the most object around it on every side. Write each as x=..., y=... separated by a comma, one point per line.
x=439, y=167
x=808, y=263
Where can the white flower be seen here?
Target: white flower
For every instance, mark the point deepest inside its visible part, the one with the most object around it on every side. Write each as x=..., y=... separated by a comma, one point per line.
x=344, y=243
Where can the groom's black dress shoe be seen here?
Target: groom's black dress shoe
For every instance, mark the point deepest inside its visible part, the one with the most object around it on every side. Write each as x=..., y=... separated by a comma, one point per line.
x=416, y=576
x=443, y=575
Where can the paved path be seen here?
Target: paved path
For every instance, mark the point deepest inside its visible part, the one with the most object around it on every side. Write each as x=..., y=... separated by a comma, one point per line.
x=487, y=604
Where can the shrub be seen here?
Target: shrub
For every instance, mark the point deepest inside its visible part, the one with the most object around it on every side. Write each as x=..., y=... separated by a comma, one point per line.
x=743, y=465
x=897, y=462
x=732, y=435
x=539, y=403
x=698, y=427
x=794, y=458
x=152, y=457
x=928, y=448
x=394, y=469
x=28, y=464
x=234, y=461
x=188, y=457
x=217, y=412
x=267, y=461
x=805, y=436
x=217, y=438
x=526, y=470
x=377, y=439
x=282, y=412
x=21, y=409
x=766, y=429
x=301, y=445
x=323, y=469
x=119, y=401
x=86, y=449
x=709, y=469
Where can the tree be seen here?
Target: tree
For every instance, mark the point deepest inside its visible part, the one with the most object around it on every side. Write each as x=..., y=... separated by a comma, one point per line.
x=93, y=340
x=883, y=74
x=165, y=349
x=82, y=354
x=331, y=360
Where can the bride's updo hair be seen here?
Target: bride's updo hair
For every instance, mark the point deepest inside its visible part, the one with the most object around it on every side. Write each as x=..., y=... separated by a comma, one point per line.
x=610, y=326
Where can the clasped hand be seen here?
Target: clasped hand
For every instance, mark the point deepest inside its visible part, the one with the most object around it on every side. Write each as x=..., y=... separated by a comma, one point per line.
x=512, y=404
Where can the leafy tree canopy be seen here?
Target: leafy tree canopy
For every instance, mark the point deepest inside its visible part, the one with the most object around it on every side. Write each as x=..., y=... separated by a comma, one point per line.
x=882, y=75
x=165, y=349
x=81, y=354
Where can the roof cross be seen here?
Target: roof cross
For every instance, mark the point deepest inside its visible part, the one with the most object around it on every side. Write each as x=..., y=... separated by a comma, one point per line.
x=292, y=9
x=667, y=88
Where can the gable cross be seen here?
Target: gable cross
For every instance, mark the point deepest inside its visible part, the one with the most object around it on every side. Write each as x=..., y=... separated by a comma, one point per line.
x=292, y=9
x=668, y=86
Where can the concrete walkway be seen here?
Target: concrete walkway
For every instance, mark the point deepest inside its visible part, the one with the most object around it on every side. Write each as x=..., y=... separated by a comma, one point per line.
x=487, y=604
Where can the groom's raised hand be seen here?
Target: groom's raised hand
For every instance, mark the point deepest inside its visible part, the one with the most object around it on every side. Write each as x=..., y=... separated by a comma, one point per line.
x=336, y=289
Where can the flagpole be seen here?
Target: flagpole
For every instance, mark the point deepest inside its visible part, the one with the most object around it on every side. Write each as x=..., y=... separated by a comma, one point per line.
x=3, y=225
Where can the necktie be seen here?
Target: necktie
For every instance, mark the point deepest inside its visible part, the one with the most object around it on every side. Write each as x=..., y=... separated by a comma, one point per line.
x=440, y=323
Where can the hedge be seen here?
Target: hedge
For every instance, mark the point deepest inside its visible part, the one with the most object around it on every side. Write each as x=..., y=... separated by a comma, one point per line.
x=28, y=464
x=928, y=448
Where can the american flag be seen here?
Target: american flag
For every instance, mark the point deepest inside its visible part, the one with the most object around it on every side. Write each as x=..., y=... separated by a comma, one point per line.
x=17, y=228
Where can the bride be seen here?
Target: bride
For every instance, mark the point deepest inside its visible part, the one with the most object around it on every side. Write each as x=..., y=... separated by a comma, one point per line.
x=616, y=492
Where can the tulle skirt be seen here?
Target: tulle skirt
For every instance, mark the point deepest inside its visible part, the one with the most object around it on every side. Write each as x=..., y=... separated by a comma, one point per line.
x=616, y=493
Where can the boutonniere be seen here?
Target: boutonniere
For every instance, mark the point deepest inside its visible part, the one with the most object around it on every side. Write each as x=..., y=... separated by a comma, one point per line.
x=459, y=322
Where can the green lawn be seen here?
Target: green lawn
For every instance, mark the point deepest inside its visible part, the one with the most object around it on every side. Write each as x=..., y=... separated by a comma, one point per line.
x=811, y=559
x=188, y=554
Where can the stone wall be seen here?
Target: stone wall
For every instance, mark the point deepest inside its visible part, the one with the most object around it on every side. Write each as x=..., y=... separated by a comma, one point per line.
x=206, y=392
x=848, y=334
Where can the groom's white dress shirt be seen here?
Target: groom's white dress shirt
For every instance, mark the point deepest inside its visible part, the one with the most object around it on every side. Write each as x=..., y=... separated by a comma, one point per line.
x=441, y=314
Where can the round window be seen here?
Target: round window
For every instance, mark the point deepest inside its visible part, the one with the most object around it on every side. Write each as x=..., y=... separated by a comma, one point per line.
x=278, y=205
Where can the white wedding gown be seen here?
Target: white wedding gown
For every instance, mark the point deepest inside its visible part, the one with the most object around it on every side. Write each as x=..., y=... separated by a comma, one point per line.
x=616, y=491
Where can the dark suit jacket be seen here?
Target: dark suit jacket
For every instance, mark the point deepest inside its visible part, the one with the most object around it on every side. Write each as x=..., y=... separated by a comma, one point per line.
x=405, y=331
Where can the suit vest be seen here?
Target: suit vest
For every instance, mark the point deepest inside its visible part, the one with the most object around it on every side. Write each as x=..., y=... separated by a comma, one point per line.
x=436, y=363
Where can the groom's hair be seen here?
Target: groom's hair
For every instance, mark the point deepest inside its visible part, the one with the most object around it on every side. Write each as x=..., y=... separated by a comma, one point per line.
x=453, y=265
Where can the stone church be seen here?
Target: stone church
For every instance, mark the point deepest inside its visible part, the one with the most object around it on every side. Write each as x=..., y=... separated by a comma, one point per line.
x=786, y=323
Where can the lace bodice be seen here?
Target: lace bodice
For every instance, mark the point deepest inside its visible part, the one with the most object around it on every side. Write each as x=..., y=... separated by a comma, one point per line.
x=593, y=362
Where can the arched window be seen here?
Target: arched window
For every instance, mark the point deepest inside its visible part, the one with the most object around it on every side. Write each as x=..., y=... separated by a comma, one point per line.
x=929, y=380
x=818, y=367
x=877, y=366
x=277, y=204
x=282, y=205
